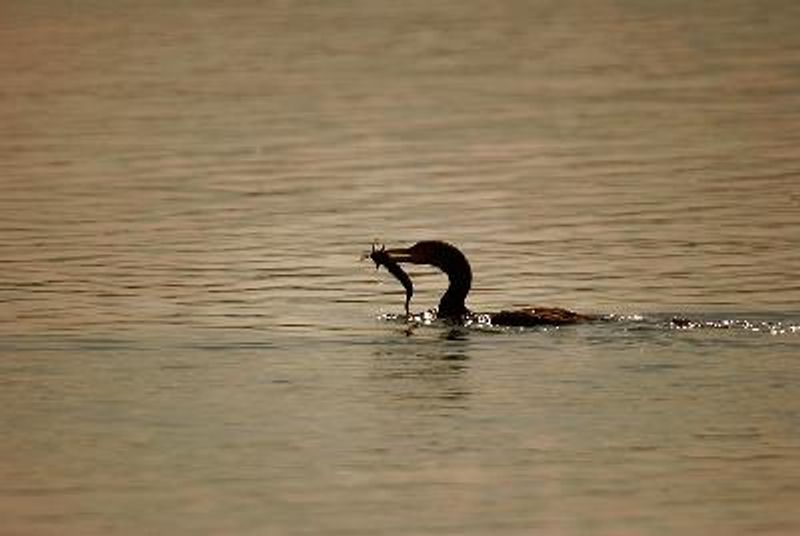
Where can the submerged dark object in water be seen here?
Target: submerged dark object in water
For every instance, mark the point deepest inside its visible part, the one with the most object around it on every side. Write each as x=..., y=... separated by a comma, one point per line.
x=382, y=258
x=454, y=264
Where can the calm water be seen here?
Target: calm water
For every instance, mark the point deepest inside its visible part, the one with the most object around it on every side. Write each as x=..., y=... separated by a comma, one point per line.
x=190, y=345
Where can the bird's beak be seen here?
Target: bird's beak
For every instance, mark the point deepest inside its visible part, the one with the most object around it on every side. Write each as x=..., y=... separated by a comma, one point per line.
x=404, y=255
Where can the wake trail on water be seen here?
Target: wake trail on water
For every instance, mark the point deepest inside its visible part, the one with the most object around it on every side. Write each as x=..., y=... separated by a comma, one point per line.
x=769, y=324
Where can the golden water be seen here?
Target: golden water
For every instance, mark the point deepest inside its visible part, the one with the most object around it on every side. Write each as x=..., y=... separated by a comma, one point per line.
x=189, y=344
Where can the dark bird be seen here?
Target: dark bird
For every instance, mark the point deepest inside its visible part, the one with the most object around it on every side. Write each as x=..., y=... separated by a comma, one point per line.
x=452, y=307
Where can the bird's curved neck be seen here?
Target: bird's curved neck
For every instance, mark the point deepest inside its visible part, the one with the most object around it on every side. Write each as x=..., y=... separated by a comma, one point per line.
x=452, y=305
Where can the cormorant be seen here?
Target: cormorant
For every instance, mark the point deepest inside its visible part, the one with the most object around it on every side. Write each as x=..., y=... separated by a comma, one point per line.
x=452, y=262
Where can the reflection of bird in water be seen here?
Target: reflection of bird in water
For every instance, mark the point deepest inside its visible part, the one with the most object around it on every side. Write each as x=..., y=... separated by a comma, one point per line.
x=452, y=262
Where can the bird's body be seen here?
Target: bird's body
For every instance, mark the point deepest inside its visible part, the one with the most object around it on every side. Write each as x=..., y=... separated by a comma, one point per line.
x=452, y=305
x=538, y=316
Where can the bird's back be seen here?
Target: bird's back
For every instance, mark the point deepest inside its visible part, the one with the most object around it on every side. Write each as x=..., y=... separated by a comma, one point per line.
x=539, y=316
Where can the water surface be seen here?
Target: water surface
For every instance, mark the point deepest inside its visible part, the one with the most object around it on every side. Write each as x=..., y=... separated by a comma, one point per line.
x=190, y=345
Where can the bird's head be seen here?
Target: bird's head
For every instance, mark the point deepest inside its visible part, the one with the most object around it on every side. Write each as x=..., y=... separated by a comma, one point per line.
x=432, y=252
x=442, y=255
